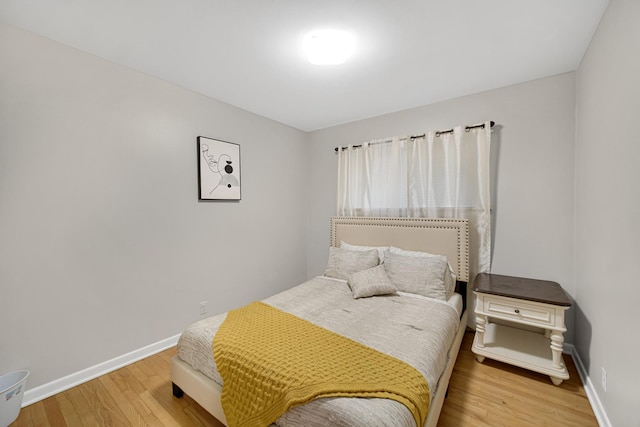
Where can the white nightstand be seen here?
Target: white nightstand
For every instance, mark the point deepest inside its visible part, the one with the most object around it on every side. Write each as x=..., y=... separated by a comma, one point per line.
x=502, y=304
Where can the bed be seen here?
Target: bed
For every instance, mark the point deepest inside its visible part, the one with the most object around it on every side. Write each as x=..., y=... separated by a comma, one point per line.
x=193, y=370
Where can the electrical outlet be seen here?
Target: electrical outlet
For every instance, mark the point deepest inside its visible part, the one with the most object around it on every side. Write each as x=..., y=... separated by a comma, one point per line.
x=203, y=308
x=604, y=379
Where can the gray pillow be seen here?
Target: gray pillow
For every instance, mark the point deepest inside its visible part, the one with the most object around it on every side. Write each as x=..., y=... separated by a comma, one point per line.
x=350, y=247
x=417, y=275
x=449, y=276
x=370, y=282
x=342, y=263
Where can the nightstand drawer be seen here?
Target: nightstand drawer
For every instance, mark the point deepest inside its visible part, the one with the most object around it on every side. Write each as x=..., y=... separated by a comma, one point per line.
x=506, y=308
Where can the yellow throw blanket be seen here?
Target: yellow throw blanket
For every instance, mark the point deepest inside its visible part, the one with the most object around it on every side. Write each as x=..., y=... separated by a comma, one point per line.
x=270, y=361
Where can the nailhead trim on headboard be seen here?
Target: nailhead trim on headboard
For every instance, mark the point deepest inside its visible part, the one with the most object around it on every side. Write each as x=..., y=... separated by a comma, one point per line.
x=461, y=226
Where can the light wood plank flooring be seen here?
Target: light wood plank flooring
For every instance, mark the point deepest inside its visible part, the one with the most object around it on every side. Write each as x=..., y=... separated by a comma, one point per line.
x=492, y=394
x=488, y=394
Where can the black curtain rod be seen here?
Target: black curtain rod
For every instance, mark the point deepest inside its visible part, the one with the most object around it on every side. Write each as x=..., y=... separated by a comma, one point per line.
x=438, y=133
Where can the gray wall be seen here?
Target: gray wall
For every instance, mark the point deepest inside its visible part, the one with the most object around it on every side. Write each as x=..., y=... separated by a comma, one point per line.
x=607, y=210
x=104, y=247
x=532, y=173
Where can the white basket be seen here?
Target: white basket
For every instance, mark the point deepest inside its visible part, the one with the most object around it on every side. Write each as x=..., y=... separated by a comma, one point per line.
x=12, y=387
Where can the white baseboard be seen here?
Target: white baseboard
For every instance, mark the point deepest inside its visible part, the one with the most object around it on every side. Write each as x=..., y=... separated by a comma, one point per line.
x=592, y=395
x=49, y=389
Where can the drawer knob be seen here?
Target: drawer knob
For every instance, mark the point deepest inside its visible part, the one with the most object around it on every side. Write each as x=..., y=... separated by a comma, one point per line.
x=517, y=311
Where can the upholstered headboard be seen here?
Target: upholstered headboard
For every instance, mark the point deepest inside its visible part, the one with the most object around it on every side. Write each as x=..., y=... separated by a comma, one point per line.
x=449, y=237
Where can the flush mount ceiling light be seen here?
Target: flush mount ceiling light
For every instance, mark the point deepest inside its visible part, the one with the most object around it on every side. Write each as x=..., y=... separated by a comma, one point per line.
x=328, y=47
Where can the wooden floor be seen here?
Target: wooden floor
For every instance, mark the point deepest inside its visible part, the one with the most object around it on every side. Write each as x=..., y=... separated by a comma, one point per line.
x=488, y=394
x=495, y=394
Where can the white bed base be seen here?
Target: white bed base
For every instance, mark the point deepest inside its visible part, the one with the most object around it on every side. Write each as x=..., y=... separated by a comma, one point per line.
x=448, y=237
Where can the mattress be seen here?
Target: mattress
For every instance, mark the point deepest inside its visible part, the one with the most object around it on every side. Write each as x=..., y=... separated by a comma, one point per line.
x=414, y=329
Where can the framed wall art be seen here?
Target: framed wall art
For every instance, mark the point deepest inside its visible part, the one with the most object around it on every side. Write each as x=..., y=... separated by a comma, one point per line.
x=218, y=169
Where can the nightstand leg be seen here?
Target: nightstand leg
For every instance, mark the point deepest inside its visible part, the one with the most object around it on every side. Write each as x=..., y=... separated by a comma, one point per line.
x=556, y=381
x=556, y=349
x=481, y=322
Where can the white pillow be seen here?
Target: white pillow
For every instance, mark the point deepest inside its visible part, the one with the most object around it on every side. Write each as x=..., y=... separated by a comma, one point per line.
x=370, y=282
x=342, y=263
x=449, y=276
x=420, y=275
x=350, y=247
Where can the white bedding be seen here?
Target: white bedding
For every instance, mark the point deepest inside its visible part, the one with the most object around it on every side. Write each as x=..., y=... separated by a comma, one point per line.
x=417, y=330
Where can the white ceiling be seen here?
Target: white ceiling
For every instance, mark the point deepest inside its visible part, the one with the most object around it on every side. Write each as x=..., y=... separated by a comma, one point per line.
x=247, y=52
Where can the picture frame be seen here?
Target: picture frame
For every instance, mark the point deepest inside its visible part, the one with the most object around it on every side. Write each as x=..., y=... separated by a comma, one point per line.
x=218, y=169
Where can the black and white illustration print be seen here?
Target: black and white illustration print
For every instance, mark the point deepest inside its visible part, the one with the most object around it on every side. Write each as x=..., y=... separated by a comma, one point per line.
x=218, y=169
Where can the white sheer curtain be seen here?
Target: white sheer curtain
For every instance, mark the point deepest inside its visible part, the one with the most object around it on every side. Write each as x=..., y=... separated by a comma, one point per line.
x=443, y=175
